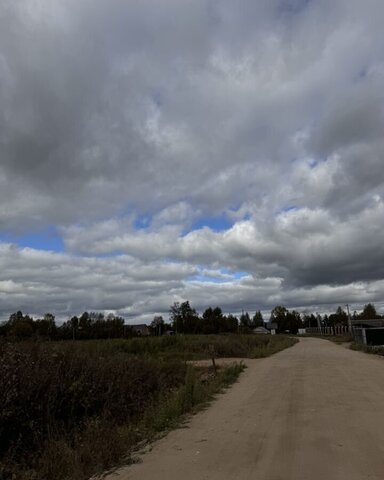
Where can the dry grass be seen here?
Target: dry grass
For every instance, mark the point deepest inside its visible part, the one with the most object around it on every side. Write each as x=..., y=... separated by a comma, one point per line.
x=70, y=410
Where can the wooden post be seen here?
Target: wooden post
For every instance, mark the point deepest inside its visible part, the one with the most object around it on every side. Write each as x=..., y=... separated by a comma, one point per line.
x=212, y=352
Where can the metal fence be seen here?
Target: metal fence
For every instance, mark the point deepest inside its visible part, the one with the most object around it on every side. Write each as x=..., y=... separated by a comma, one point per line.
x=327, y=331
x=368, y=331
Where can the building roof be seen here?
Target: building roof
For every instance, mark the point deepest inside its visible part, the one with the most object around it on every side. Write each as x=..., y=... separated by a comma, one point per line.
x=260, y=330
x=141, y=329
x=374, y=322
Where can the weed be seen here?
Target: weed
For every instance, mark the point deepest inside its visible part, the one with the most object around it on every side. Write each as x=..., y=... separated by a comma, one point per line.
x=70, y=409
x=375, y=350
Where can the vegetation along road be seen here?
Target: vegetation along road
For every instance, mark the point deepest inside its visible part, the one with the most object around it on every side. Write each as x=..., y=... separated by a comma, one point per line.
x=313, y=411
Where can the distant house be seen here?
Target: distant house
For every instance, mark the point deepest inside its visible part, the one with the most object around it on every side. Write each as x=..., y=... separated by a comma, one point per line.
x=141, y=330
x=368, y=332
x=261, y=330
x=272, y=327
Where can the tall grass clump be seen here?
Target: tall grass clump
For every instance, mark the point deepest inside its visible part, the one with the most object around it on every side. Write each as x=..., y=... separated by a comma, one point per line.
x=196, y=392
x=50, y=396
x=375, y=350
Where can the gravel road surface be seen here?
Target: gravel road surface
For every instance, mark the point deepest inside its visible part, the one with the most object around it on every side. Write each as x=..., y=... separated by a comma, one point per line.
x=312, y=412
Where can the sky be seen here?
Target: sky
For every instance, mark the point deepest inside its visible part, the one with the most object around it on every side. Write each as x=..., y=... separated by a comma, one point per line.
x=156, y=151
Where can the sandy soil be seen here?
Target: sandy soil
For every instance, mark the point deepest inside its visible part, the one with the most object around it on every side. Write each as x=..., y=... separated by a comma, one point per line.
x=312, y=412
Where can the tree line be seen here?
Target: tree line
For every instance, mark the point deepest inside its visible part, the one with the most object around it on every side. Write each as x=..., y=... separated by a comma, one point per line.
x=183, y=319
x=91, y=325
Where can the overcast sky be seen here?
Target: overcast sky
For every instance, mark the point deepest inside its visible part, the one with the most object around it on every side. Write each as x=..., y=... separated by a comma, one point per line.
x=224, y=152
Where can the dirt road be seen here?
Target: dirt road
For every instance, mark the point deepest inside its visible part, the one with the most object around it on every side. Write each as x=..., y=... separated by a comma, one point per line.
x=312, y=412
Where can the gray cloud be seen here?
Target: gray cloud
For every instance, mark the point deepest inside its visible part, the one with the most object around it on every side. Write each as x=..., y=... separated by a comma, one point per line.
x=66, y=285
x=268, y=113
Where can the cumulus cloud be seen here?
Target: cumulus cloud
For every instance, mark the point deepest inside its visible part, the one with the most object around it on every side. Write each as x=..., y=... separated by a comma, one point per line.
x=66, y=284
x=130, y=126
x=303, y=246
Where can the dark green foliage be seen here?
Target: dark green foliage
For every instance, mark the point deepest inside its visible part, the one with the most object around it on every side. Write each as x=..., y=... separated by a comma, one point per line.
x=379, y=350
x=232, y=324
x=369, y=312
x=94, y=326
x=245, y=323
x=184, y=318
x=310, y=321
x=213, y=321
x=338, y=318
x=87, y=326
x=257, y=320
x=287, y=321
x=158, y=326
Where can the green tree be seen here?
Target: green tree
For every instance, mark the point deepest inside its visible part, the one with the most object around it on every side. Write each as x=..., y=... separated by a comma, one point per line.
x=293, y=321
x=74, y=326
x=232, y=324
x=184, y=318
x=245, y=322
x=257, y=320
x=309, y=320
x=279, y=316
x=20, y=326
x=338, y=318
x=158, y=325
x=213, y=321
x=369, y=312
x=45, y=327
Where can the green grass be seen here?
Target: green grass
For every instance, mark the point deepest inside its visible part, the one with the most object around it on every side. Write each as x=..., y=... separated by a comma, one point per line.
x=340, y=338
x=332, y=338
x=188, y=347
x=375, y=350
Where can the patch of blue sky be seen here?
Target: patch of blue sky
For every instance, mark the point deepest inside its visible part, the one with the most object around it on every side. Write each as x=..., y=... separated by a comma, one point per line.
x=239, y=275
x=224, y=275
x=231, y=273
x=312, y=163
x=47, y=239
x=289, y=208
x=142, y=222
x=207, y=279
x=217, y=224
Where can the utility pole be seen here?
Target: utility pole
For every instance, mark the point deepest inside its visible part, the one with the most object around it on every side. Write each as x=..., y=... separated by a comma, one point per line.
x=319, y=326
x=349, y=320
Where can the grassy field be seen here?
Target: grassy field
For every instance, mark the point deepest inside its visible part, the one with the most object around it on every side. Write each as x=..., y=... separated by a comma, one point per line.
x=332, y=338
x=71, y=409
x=375, y=350
x=340, y=338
